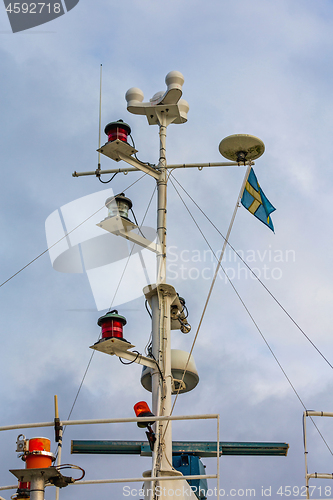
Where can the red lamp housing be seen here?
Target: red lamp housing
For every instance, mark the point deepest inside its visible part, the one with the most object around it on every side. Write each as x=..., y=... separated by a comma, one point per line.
x=23, y=491
x=142, y=410
x=117, y=130
x=112, y=325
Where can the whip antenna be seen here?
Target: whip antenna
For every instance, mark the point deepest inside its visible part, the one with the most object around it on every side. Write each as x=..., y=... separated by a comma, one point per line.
x=99, y=128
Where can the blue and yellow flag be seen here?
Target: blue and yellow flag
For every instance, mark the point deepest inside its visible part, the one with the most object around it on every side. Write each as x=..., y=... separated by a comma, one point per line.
x=255, y=201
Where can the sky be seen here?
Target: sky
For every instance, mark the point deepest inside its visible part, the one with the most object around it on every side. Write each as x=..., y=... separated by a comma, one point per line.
x=259, y=67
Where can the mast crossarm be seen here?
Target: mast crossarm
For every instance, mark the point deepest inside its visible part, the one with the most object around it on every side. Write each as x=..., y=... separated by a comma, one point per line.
x=211, y=164
x=200, y=166
x=122, y=227
x=119, y=347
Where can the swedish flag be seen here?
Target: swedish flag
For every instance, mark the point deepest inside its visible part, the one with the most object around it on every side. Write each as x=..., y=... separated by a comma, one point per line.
x=255, y=201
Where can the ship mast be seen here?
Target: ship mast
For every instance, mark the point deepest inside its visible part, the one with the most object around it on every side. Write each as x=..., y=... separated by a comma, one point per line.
x=163, y=109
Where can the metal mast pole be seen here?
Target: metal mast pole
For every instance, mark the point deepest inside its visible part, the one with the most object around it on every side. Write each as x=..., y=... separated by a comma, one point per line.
x=162, y=201
x=161, y=389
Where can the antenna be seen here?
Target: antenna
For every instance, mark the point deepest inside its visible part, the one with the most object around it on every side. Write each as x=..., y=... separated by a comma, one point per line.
x=99, y=125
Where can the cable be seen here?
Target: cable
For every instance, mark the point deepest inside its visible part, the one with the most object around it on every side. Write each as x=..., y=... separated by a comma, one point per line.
x=130, y=362
x=261, y=282
x=127, y=262
x=250, y=315
x=79, y=389
x=146, y=305
x=157, y=364
x=107, y=182
x=71, y=466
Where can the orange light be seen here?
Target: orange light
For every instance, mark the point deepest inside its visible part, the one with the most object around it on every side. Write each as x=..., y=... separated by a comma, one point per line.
x=39, y=454
x=142, y=410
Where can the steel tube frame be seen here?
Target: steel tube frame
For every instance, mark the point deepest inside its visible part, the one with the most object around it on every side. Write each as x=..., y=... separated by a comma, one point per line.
x=147, y=480
x=314, y=475
x=151, y=479
x=169, y=167
x=310, y=413
x=127, y=480
x=207, y=416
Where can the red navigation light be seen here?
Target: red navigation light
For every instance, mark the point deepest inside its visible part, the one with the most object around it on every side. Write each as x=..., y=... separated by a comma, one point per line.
x=117, y=130
x=142, y=410
x=112, y=325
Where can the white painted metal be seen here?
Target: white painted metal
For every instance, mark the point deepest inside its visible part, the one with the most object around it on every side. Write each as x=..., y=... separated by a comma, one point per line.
x=161, y=309
x=146, y=480
x=320, y=475
x=56, y=414
x=178, y=364
x=121, y=227
x=313, y=475
x=157, y=383
x=10, y=487
x=108, y=171
x=218, y=457
x=114, y=148
x=117, y=225
x=244, y=146
x=309, y=413
x=119, y=150
x=204, y=165
x=174, y=108
x=109, y=421
x=115, y=346
x=169, y=167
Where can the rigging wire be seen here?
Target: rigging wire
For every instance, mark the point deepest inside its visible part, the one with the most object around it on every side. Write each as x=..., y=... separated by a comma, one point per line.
x=136, y=222
x=63, y=237
x=251, y=317
x=257, y=277
x=131, y=251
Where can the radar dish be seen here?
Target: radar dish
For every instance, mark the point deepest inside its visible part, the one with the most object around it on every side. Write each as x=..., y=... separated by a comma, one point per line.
x=241, y=147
